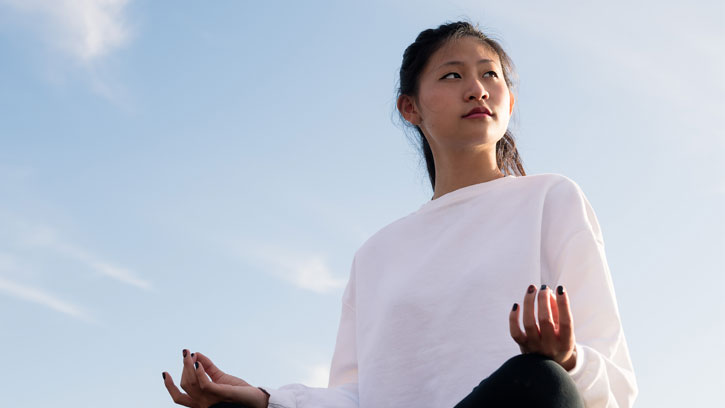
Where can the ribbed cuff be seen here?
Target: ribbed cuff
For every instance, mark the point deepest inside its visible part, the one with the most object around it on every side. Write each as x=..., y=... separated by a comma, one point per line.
x=280, y=398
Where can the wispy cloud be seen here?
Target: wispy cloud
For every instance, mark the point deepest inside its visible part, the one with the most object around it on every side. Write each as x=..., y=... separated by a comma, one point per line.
x=318, y=375
x=307, y=271
x=86, y=29
x=314, y=274
x=43, y=298
x=48, y=238
x=40, y=236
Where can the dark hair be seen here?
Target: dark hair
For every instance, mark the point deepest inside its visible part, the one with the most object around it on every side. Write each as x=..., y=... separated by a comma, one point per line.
x=415, y=58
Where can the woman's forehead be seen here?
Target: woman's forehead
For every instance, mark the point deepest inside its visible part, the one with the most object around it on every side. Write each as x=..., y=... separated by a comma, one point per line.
x=468, y=50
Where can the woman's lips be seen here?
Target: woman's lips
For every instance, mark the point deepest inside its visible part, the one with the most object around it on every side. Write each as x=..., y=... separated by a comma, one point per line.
x=476, y=115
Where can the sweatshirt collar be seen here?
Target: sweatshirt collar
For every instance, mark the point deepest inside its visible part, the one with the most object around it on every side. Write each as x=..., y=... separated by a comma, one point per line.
x=463, y=193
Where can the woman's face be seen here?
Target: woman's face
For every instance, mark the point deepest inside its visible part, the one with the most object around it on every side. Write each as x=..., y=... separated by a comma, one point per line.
x=462, y=75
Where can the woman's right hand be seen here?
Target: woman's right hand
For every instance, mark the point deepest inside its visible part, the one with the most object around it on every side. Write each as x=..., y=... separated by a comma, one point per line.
x=201, y=392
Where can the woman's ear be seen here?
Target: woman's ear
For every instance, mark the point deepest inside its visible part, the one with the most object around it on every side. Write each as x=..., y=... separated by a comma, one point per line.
x=512, y=99
x=407, y=108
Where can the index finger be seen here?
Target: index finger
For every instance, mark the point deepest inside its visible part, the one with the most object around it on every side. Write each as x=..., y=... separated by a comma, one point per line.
x=514, y=328
x=176, y=395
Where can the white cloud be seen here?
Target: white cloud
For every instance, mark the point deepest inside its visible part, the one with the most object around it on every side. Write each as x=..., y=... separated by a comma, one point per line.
x=312, y=273
x=48, y=238
x=116, y=272
x=43, y=298
x=317, y=376
x=305, y=270
x=86, y=29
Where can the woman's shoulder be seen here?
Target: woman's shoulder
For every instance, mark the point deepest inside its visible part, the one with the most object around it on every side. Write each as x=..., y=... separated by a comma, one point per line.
x=549, y=179
x=389, y=236
x=553, y=186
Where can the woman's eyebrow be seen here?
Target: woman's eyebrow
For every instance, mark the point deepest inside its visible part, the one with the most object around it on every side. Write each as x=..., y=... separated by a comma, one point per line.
x=460, y=63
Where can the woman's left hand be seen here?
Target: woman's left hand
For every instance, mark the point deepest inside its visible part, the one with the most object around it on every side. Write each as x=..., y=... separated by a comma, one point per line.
x=203, y=392
x=554, y=334
x=191, y=382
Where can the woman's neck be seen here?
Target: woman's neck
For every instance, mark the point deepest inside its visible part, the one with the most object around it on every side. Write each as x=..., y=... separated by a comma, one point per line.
x=459, y=172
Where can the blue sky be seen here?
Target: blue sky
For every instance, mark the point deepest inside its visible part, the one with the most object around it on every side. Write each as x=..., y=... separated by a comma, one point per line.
x=198, y=175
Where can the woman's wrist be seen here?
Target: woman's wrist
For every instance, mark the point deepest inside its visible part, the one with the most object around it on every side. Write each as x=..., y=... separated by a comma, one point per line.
x=570, y=363
x=266, y=403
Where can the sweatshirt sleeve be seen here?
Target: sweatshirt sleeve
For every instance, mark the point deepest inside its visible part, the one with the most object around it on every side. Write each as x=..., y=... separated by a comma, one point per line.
x=573, y=255
x=342, y=391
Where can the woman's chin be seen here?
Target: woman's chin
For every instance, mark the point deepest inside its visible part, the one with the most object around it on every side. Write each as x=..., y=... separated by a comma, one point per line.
x=477, y=139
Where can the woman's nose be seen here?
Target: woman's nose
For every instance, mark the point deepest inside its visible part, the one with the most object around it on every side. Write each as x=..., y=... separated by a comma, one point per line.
x=476, y=91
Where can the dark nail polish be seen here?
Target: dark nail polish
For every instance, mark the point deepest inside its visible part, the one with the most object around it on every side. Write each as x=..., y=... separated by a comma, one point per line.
x=560, y=290
x=532, y=288
x=192, y=354
x=163, y=375
x=184, y=352
x=196, y=364
x=543, y=287
x=516, y=306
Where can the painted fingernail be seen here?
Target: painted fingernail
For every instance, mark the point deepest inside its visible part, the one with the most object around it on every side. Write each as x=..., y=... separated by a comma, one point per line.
x=196, y=364
x=516, y=306
x=560, y=290
x=183, y=352
x=543, y=287
x=163, y=375
x=192, y=354
x=532, y=288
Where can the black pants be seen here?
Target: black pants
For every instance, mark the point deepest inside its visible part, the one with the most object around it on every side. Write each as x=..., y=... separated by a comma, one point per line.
x=527, y=380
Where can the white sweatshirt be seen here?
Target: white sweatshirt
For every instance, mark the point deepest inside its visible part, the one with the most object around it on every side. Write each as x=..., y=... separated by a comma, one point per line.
x=425, y=311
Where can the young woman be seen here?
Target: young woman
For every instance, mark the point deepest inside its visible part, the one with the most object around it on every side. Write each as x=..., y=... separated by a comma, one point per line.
x=427, y=317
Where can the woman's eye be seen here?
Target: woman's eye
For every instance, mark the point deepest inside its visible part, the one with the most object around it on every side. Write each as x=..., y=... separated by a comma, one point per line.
x=456, y=75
